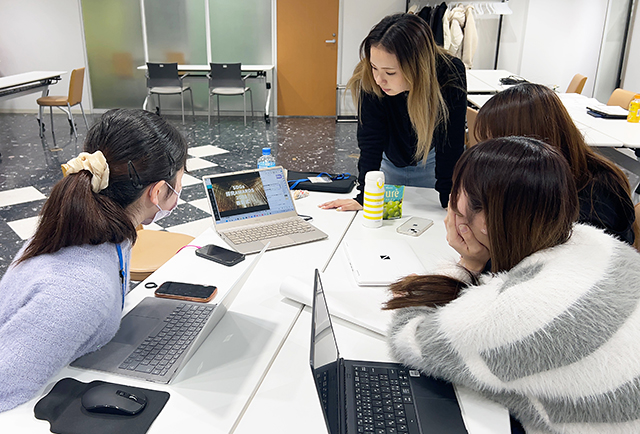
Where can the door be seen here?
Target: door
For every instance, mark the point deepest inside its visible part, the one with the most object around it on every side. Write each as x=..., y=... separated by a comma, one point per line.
x=307, y=57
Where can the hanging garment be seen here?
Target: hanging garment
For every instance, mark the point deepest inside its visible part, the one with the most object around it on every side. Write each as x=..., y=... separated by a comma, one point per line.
x=470, y=40
x=456, y=25
x=437, y=23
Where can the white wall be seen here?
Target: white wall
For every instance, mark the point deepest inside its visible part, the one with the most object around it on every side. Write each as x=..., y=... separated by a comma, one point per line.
x=631, y=71
x=37, y=35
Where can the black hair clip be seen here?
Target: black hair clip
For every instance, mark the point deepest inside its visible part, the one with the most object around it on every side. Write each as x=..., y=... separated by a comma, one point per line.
x=133, y=175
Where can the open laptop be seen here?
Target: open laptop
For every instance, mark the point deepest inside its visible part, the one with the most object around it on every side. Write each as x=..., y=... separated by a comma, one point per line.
x=253, y=207
x=135, y=350
x=372, y=397
x=379, y=262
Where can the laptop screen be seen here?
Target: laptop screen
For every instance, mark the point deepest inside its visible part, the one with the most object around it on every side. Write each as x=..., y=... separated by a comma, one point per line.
x=324, y=358
x=246, y=195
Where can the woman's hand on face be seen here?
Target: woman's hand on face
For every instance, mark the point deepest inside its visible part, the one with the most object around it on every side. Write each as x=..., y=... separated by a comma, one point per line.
x=341, y=205
x=473, y=254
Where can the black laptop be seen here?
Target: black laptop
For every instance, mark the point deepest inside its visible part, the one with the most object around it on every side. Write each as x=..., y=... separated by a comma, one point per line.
x=374, y=397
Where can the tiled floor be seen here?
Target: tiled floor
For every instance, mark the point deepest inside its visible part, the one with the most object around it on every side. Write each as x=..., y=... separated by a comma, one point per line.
x=30, y=167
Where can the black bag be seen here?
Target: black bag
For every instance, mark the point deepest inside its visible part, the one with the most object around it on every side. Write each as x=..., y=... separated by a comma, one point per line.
x=335, y=183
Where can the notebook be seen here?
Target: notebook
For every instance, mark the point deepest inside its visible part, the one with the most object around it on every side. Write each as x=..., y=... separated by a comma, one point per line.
x=253, y=207
x=135, y=350
x=380, y=262
x=372, y=397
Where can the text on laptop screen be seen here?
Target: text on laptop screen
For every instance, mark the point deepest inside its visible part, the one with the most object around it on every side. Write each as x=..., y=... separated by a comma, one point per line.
x=247, y=195
x=324, y=359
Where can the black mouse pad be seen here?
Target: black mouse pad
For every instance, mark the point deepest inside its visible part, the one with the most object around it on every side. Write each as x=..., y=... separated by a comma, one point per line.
x=62, y=408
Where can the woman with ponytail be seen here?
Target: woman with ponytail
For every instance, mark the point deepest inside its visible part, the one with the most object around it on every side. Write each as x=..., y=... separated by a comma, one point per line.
x=552, y=332
x=412, y=101
x=63, y=295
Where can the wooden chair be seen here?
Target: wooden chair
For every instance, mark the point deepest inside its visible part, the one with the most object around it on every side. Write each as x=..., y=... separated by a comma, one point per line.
x=577, y=84
x=152, y=249
x=471, y=123
x=76, y=83
x=621, y=98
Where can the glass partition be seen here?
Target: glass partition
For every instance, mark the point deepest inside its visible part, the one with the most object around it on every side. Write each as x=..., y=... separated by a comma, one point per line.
x=113, y=34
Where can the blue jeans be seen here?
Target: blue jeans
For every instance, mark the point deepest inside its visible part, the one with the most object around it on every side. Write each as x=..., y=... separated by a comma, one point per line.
x=416, y=176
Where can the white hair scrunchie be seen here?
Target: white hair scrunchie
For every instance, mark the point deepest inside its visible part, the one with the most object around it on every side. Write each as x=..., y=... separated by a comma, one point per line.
x=94, y=163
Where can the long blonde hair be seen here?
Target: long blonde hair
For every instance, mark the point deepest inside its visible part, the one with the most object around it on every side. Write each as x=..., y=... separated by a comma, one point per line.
x=409, y=38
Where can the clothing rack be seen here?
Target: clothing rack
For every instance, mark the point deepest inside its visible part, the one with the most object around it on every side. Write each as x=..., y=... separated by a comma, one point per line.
x=498, y=7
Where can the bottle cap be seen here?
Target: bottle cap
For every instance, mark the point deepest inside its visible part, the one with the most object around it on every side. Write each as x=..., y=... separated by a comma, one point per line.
x=376, y=177
x=266, y=151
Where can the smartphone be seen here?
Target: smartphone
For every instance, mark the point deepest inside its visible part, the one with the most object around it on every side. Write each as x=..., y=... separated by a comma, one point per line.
x=415, y=226
x=186, y=291
x=220, y=254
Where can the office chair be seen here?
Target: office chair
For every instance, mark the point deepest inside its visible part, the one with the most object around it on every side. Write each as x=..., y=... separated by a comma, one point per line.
x=227, y=79
x=577, y=84
x=152, y=249
x=471, y=123
x=163, y=79
x=621, y=98
x=76, y=83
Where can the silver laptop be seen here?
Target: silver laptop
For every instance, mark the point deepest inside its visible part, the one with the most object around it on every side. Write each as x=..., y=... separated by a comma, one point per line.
x=253, y=207
x=360, y=396
x=380, y=262
x=159, y=336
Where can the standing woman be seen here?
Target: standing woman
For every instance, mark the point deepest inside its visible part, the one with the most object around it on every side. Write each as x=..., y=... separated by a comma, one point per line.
x=553, y=332
x=63, y=295
x=412, y=100
x=534, y=110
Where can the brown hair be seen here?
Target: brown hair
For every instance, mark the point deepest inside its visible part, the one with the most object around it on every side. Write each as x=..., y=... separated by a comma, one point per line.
x=141, y=149
x=529, y=198
x=409, y=38
x=534, y=110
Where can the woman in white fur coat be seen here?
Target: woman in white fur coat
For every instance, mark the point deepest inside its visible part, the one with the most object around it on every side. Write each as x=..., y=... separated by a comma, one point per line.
x=553, y=331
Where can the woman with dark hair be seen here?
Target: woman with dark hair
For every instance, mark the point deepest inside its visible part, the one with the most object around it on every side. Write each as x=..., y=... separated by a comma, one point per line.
x=553, y=332
x=534, y=110
x=63, y=295
x=412, y=101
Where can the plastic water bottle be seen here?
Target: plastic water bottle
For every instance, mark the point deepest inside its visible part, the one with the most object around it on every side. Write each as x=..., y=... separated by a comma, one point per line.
x=266, y=160
x=373, y=199
x=634, y=110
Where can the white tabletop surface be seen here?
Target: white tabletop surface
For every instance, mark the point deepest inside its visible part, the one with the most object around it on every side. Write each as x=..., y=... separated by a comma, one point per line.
x=486, y=80
x=207, y=68
x=211, y=392
x=28, y=77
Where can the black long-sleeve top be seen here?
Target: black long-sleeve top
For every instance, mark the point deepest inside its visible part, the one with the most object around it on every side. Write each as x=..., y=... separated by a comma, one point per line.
x=385, y=126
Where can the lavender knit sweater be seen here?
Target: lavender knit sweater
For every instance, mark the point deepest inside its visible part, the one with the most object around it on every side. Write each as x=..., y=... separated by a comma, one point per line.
x=55, y=308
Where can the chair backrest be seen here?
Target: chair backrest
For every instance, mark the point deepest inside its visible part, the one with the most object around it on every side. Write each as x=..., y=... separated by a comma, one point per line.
x=577, y=84
x=226, y=75
x=621, y=97
x=163, y=75
x=175, y=57
x=471, y=123
x=75, y=86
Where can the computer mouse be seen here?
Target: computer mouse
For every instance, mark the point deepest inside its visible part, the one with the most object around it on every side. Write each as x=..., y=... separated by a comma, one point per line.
x=114, y=399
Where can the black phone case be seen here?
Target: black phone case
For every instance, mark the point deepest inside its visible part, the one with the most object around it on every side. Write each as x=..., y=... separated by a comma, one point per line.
x=214, y=259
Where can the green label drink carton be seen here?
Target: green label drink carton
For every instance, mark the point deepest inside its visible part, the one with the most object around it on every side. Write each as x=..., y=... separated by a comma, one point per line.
x=393, y=195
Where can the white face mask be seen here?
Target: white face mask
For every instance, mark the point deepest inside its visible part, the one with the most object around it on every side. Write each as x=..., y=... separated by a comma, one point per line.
x=162, y=213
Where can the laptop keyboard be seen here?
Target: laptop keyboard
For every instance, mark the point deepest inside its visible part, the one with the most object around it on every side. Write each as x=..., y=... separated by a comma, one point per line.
x=384, y=403
x=157, y=354
x=259, y=233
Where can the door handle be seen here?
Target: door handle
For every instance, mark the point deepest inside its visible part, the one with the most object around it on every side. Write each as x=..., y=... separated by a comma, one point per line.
x=330, y=41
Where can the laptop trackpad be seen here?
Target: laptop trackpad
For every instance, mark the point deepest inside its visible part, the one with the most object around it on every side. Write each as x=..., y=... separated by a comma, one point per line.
x=437, y=406
x=134, y=329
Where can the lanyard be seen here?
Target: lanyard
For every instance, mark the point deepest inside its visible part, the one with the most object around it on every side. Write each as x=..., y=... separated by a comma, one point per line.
x=123, y=272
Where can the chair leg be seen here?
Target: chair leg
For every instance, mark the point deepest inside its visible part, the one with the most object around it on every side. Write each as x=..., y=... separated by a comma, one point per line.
x=218, y=102
x=85, y=118
x=244, y=107
x=182, y=104
x=159, y=111
x=251, y=97
x=73, y=124
x=209, y=112
x=193, y=109
x=53, y=134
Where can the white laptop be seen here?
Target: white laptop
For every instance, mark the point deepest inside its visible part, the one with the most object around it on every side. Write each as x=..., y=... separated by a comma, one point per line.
x=144, y=330
x=381, y=262
x=255, y=207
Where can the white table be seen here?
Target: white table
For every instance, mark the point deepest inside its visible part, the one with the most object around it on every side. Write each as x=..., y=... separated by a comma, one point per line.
x=13, y=86
x=287, y=398
x=255, y=71
x=486, y=80
x=211, y=392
